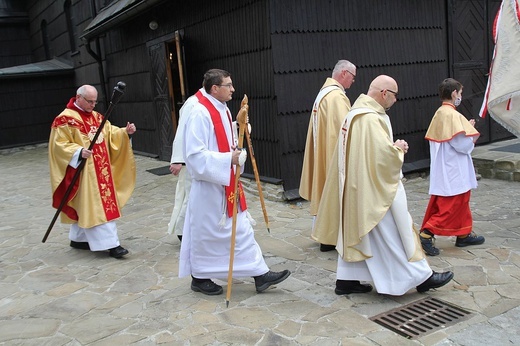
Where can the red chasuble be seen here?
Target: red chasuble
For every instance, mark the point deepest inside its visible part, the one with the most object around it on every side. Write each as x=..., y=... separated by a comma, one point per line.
x=223, y=147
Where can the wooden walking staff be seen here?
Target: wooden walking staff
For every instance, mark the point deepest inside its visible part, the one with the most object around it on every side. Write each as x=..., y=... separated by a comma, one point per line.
x=119, y=90
x=257, y=178
x=242, y=122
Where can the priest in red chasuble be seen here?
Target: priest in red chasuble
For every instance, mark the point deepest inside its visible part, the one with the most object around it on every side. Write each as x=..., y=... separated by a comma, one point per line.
x=106, y=181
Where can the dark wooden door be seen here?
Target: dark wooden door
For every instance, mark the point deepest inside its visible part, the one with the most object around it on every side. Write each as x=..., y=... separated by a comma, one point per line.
x=470, y=29
x=169, y=88
x=161, y=100
x=176, y=72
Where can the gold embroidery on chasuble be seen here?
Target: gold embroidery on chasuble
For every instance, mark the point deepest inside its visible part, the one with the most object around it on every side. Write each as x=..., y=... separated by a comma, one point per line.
x=92, y=134
x=65, y=120
x=103, y=169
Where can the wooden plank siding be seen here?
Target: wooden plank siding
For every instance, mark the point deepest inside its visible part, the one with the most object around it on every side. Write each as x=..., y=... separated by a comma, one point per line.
x=379, y=38
x=472, y=46
x=29, y=107
x=16, y=49
x=32, y=95
x=239, y=42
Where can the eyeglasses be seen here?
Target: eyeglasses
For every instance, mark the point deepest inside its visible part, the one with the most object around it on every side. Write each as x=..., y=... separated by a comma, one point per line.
x=353, y=75
x=90, y=102
x=229, y=85
x=393, y=92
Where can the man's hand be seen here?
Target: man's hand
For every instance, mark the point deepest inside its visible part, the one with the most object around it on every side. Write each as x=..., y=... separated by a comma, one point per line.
x=175, y=168
x=85, y=153
x=238, y=157
x=401, y=143
x=235, y=155
x=130, y=128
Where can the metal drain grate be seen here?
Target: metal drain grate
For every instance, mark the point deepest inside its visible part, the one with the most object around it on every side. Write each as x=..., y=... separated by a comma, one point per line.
x=421, y=317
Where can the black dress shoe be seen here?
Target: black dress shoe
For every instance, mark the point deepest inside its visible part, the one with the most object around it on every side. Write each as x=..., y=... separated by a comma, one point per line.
x=262, y=282
x=205, y=286
x=83, y=245
x=351, y=286
x=117, y=252
x=326, y=247
x=180, y=237
x=436, y=280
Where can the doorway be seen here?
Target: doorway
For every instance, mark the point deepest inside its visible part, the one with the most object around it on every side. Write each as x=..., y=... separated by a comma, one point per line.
x=169, y=88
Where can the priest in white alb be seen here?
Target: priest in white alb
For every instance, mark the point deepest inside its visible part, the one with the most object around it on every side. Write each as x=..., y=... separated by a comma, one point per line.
x=211, y=159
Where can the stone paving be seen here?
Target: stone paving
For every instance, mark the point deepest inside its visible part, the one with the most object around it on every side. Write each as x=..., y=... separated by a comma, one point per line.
x=52, y=294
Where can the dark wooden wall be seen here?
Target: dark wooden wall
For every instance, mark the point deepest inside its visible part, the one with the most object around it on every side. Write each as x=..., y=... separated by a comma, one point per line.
x=231, y=35
x=403, y=39
x=31, y=100
x=14, y=34
x=240, y=43
x=471, y=48
x=28, y=103
x=29, y=106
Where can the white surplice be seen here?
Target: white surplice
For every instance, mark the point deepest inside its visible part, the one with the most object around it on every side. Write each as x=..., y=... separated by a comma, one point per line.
x=451, y=168
x=206, y=240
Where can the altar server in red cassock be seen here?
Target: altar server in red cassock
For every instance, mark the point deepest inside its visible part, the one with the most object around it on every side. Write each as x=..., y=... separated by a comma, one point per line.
x=452, y=176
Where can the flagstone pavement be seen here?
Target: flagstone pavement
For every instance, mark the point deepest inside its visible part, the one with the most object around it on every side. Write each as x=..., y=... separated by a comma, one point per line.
x=52, y=294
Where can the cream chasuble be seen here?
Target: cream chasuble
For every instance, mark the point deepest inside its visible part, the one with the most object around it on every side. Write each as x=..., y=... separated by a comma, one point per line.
x=361, y=186
x=329, y=110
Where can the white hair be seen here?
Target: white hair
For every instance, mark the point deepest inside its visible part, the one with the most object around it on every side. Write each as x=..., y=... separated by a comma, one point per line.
x=343, y=65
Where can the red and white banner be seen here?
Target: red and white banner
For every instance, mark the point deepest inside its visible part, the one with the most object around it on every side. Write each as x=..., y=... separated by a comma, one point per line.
x=502, y=97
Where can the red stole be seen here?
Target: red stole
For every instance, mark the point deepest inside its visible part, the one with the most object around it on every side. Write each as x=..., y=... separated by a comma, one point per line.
x=223, y=147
